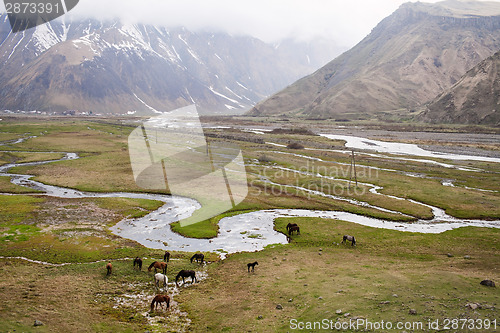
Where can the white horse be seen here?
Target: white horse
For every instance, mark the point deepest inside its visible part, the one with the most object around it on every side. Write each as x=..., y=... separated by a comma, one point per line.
x=161, y=278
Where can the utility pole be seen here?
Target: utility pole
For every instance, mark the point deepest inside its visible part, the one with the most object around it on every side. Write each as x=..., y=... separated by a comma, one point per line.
x=353, y=167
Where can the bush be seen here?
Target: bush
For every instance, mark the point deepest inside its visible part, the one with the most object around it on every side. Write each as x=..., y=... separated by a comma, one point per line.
x=264, y=159
x=295, y=145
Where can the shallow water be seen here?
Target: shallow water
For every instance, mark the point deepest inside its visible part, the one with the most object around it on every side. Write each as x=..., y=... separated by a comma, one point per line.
x=398, y=148
x=245, y=232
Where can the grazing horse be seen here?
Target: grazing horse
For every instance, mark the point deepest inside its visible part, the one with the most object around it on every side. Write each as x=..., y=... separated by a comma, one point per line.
x=350, y=239
x=184, y=274
x=161, y=278
x=294, y=228
x=160, y=299
x=166, y=256
x=198, y=257
x=158, y=265
x=109, y=268
x=289, y=225
x=252, y=264
x=138, y=262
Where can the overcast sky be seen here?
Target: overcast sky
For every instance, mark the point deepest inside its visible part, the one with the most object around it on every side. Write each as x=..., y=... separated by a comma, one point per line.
x=345, y=21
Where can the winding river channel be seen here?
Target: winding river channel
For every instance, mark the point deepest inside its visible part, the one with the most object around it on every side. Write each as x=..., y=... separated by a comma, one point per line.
x=245, y=232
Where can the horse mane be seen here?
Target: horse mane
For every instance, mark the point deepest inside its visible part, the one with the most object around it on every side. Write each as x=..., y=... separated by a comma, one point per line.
x=151, y=266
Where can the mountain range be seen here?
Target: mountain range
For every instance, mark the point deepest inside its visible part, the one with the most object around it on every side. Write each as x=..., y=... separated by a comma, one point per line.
x=409, y=58
x=114, y=67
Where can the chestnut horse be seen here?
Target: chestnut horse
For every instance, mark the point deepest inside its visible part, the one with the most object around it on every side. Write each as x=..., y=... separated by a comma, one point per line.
x=138, y=262
x=183, y=274
x=198, y=257
x=160, y=299
x=158, y=265
x=109, y=268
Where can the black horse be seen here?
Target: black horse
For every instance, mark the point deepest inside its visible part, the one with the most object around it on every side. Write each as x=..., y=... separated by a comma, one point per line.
x=350, y=239
x=294, y=228
x=166, y=256
x=252, y=264
x=184, y=274
x=289, y=225
x=138, y=262
x=198, y=257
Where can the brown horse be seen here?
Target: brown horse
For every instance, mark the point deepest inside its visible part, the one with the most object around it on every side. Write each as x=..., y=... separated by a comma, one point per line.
x=289, y=225
x=198, y=257
x=109, y=268
x=166, y=256
x=138, y=262
x=183, y=274
x=158, y=265
x=160, y=299
x=294, y=228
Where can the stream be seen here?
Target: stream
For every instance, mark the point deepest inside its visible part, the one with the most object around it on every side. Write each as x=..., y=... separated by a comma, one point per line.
x=245, y=232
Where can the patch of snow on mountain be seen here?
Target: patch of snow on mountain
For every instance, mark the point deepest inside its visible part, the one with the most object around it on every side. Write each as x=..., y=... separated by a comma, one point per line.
x=232, y=92
x=14, y=48
x=44, y=37
x=241, y=85
x=146, y=105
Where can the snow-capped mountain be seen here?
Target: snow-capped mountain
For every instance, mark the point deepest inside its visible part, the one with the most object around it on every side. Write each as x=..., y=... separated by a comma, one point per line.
x=113, y=67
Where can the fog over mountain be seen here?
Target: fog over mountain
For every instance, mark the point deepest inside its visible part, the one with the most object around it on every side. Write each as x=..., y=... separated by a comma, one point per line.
x=116, y=67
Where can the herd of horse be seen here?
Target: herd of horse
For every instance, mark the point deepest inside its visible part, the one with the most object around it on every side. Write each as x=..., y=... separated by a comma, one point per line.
x=161, y=278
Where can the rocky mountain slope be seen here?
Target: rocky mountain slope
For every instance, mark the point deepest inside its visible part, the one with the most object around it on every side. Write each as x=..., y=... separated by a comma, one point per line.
x=110, y=67
x=474, y=99
x=408, y=59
